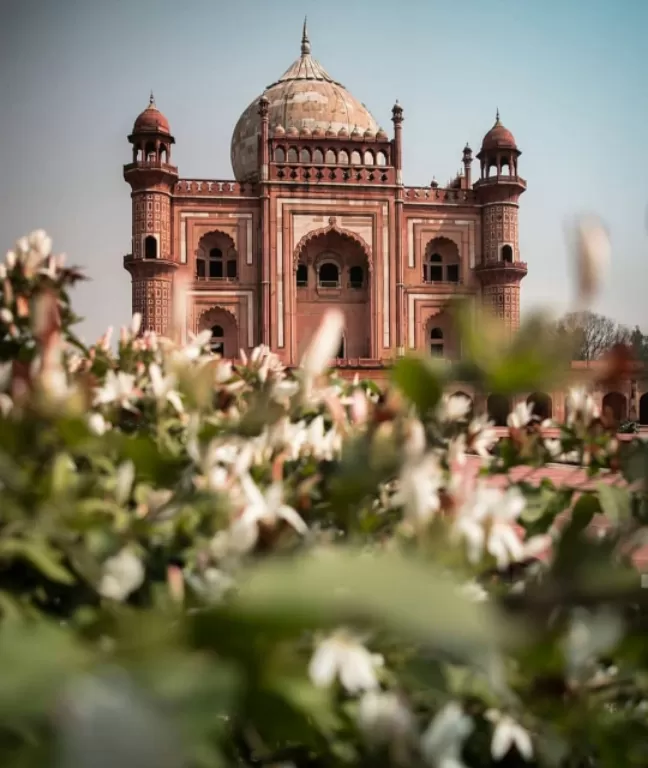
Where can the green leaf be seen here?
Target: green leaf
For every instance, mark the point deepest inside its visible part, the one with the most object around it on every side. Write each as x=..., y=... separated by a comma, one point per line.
x=615, y=502
x=403, y=594
x=36, y=659
x=40, y=555
x=420, y=381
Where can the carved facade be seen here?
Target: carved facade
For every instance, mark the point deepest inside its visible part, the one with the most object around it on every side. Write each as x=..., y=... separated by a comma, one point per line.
x=318, y=215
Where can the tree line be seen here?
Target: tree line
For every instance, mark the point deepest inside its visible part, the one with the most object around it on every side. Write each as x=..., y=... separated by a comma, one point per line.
x=592, y=335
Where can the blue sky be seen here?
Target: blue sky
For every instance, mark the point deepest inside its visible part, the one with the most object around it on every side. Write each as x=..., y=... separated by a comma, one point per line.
x=570, y=78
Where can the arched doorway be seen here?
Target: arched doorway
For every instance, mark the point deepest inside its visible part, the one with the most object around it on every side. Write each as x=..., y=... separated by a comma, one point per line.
x=643, y=409
x=542, y=405
x=615, y=407
x=498, y=408
x=332, y=268
x=224, y=339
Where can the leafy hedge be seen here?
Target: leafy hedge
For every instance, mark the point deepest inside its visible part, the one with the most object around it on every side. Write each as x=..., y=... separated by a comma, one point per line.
x=204, y=564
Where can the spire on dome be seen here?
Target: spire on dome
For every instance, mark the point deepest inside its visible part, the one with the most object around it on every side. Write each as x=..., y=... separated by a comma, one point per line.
x=305, y=42
x=497, y=117
x=152, y=99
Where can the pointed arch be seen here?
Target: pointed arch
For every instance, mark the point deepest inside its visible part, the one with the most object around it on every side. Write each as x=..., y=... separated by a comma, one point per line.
x=216, y=256
x=344, y=233
x=224, y=328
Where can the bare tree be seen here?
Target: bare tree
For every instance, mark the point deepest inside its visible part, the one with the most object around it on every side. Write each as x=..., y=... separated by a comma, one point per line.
x=591, y=334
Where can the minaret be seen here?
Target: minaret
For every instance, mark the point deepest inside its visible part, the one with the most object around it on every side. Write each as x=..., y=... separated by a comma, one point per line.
x=499, y=269
x=152, y=178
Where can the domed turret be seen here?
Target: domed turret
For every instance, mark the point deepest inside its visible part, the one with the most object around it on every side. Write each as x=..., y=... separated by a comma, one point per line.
x=498, y=137
x=151, y=120
x=305, y=96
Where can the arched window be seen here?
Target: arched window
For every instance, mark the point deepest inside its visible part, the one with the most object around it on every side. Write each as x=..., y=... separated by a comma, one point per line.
x=542, y=405
x=318, y=157
x=343, y=157
x=217, y=342
x=436, y=342
x=150, y=247
x=216, y=269
x=149, y=151
x=381, y=159
x=368, y=157
x=498, y=407
x=330, y=157
x=164, y=153
x=302, y=276
x=615, y=407
x=329, y=275
x=355, y=157
x=305, y=157
x=643, y=409
x=505, y=167
x=441, y=262
x=433, y=268
x=280, y=155
x=292, y=155
x=507, y=253
x=356, y=277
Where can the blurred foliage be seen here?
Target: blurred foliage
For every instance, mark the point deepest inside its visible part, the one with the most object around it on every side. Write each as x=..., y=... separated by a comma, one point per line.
x=196, y=557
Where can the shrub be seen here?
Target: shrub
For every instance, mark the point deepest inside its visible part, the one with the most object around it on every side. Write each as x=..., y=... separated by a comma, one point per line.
x=209, y=564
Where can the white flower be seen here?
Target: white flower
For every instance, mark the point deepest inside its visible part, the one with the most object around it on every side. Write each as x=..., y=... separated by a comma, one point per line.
x=136, y=323
x=342, y=656
x=486, y=521
x=418, y=489
x=122, y=575
x=98, y=424
x=508, y=733
x=443, y=740
x=520, y=416
x=589, y=635
x=6, y=316
x=196, y=346
x=40, y=243
x=454, y=408
x=481, y=436
x=6, y=404
x=118, y=388
x=474, y=591
x=124, y=479
x=212, y=584
x=553, y=446
x=415, y=439
x=10, y=259
x=581, y=408
x=592, y=256
x=383, y=717
x=164, y=387
x=324, y=344
x=261, y=509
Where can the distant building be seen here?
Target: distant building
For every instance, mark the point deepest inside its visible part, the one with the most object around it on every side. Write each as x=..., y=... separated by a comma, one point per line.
x=318, y=215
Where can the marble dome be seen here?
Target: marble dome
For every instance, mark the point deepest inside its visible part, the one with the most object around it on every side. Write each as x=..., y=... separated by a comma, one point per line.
x=304, y=97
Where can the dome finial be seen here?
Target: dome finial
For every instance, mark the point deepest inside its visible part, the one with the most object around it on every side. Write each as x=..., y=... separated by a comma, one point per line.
x=151, y=99
x=497, y=117
x=305, y=43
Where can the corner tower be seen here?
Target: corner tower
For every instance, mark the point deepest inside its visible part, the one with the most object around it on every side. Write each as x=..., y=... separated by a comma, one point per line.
x=152, y=178
x=498, y=189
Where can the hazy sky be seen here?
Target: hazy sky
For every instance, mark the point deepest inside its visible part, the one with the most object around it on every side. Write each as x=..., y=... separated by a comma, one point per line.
x=570, y=78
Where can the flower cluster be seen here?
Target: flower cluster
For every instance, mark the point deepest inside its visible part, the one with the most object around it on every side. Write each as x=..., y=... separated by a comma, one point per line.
x=260, y=529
